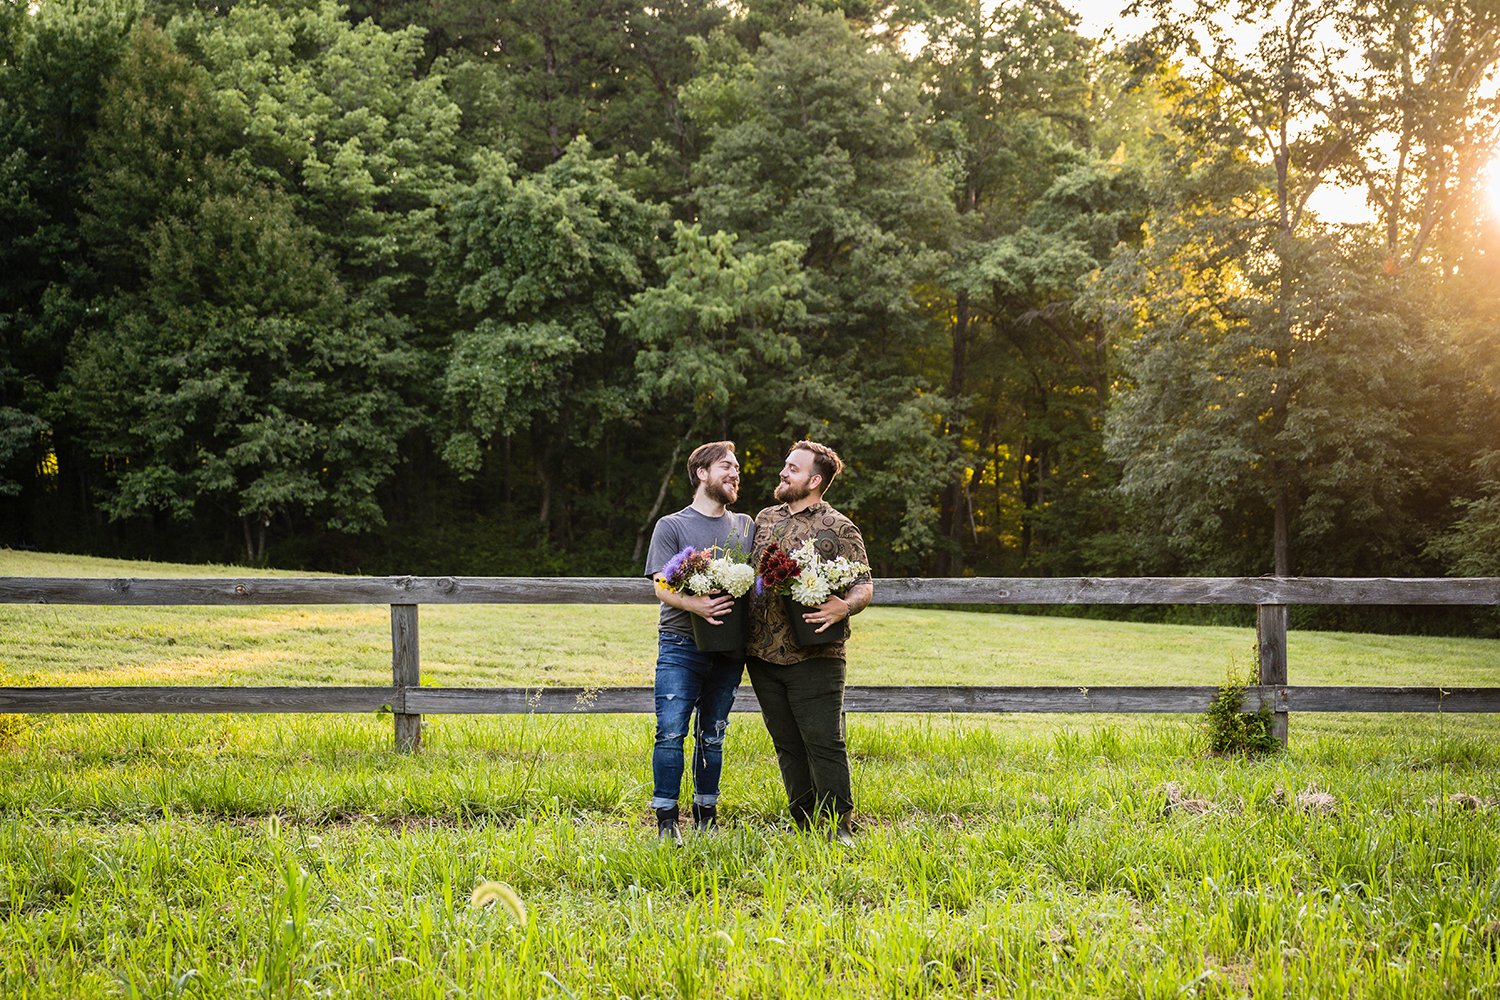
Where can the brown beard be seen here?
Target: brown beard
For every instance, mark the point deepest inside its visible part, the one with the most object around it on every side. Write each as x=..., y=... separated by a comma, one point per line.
x=787, y=493
x=719, y=493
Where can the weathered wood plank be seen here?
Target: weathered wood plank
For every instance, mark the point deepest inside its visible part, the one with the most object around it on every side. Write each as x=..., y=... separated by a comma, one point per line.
x=184, y=700
x=549, y=701
x=1190, y=699
x=1392, y=699
x=228, y=591
x=545, y=701
x=1270, y=645
x=1131, y=699
x=1190, y=590
x=857, y=699
x=406, y=673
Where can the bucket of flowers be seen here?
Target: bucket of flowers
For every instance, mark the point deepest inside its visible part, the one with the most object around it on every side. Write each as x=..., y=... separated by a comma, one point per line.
x=701, y=571
x=805, y=580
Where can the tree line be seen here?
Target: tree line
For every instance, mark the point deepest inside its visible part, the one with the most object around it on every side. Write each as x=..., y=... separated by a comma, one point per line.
x=453, y=288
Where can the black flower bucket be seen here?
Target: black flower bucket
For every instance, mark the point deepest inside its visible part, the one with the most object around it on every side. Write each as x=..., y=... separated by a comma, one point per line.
x=806, y=633
x=728, y=637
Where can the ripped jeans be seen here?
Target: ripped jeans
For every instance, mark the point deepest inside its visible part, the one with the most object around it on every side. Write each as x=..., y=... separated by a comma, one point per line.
x=687, y=680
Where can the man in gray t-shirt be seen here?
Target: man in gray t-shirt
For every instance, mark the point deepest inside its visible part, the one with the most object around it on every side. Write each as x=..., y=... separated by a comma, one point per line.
x=688, y=680
x=690, y=528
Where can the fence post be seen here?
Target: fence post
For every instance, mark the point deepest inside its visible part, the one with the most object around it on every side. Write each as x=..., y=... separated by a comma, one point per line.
x=1270, y=639
x=406, y=672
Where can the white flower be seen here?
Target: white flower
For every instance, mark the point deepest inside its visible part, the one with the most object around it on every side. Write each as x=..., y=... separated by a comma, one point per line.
x=810, y=589
x=841, y=572
x=700, y=583
x=806, y=554
x=734, y=578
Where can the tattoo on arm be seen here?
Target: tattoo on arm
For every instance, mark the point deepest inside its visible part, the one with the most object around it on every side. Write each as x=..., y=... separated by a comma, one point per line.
x=858, y=597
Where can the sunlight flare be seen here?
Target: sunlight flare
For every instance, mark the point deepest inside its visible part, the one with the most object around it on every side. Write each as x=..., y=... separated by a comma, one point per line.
x=1491, y=183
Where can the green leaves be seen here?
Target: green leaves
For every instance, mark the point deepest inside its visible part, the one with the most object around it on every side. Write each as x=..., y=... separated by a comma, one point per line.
x=1277, y=371
x=719, y=320
x=541, y=265
x=821, y=150
x=262, y=390
x=336, y=116
x=1066, y=309
x=18, y=431
x=1293, y=384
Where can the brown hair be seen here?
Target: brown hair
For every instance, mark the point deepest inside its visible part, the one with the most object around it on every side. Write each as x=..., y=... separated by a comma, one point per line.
x=704, y=456
x=826, y=461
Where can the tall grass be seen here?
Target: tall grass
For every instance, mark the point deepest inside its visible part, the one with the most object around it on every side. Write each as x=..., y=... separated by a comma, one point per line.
x=224, y=859
x=298, y=856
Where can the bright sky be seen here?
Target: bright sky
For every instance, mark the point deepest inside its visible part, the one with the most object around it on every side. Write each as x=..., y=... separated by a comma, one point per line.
x=1332, y=204
x=1101, y=15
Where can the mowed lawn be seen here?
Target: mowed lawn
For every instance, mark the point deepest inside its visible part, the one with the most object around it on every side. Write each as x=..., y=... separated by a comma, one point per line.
x=999, y=855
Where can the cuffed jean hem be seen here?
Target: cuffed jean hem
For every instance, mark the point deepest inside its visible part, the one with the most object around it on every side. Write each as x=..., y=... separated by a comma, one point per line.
x=657, y=802
x=688, y=683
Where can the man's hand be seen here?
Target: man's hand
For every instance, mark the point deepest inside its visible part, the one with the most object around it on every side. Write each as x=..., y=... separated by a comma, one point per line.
x=828, y=614
x=710, y=607
x=836, y=609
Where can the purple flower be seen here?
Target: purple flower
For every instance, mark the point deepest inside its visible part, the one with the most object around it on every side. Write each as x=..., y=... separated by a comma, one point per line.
x=674, y=565
x=760, y=586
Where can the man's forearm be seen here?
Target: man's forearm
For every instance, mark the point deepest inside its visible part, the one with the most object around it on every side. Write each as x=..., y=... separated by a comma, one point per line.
x=710, y=607
x=859, y=596
x=672, y=598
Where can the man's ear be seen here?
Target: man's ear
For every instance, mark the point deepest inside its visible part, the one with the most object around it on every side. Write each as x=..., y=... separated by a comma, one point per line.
x=815, y=482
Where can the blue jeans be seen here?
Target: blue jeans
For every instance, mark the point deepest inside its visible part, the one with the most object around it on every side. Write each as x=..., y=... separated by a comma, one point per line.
x=687, y=680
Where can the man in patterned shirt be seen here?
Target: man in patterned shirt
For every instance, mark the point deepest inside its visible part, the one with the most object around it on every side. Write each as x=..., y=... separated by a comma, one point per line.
x=801, y=688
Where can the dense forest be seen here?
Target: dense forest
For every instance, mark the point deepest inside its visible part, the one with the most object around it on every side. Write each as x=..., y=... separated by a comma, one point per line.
x=420, y=287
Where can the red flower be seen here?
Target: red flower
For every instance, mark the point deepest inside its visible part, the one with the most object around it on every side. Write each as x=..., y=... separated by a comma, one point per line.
x=776, y=570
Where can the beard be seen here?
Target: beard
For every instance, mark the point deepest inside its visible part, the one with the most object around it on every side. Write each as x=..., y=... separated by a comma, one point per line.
x=791, y=493
x=721, y=491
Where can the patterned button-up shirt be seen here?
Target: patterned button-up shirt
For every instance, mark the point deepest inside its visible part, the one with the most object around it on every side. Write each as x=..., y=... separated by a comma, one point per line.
x=771, y=637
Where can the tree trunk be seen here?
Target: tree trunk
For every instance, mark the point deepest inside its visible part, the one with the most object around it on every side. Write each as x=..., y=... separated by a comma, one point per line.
x=982, y=460
x=1282, y=358
x=951, y=525
x=254, y=527
x=1030, y=488
x=661, y=494
x=544, y=490
x=1282, y=542
x=506, y=474
x=549, y=59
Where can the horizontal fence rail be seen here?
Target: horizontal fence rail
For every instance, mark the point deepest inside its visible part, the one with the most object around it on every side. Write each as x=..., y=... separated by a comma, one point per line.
x=627, y=590
x=407, y=701
x=592, y=701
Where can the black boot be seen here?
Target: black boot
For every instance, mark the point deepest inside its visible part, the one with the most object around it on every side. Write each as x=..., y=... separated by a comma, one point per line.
x=843, y=833
x=705, y=818
x=666, y=825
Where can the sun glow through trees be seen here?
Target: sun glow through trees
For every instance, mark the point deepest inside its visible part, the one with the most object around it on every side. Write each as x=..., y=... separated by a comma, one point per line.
x=1490, y=181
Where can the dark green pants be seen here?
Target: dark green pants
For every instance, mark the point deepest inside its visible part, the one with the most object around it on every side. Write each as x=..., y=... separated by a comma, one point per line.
x=803, y=706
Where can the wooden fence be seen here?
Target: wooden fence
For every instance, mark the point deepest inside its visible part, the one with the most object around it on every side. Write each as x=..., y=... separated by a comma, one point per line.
x=408, y=701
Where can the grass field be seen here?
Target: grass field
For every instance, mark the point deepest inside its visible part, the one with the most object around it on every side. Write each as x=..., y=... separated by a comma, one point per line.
x=999, y=856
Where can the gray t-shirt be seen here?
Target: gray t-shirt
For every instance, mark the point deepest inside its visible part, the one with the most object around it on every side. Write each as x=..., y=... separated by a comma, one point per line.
x=676, y=532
